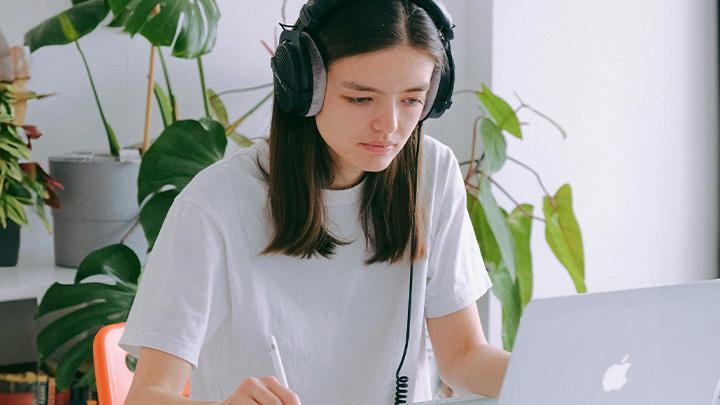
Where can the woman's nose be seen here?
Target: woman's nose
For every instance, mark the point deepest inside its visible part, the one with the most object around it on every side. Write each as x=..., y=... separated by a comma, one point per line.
x=386, y=119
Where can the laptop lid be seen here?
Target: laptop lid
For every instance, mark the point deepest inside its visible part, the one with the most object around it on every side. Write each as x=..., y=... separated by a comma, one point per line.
x=658, y=345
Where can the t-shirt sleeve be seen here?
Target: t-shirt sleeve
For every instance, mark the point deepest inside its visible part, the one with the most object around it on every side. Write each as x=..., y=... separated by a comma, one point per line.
x=183, y=284
x=456, y=272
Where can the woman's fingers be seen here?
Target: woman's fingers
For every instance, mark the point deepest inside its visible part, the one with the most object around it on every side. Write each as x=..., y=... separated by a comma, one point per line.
x=264, y=391
x=284, y=394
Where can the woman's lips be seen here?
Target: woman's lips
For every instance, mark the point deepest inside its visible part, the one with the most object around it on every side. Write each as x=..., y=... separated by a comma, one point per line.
x=377, y=148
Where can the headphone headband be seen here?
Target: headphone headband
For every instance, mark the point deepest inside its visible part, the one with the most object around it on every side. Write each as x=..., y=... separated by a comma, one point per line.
x=312, y=12
x=299, y=72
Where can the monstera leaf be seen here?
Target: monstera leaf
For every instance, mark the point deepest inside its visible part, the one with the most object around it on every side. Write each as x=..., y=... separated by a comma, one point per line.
x=180, y=152
x=69, y=26
x=196, y=21
x=92, y=305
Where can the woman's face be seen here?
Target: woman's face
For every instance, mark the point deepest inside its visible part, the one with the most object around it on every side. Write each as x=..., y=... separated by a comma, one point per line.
x=373, y=101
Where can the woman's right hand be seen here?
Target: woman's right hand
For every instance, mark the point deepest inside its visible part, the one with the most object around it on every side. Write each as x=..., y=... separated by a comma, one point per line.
x=263, y=391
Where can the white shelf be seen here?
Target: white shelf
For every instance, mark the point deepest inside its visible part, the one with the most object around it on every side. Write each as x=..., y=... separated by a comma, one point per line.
x=36, y=270
x=33, y=275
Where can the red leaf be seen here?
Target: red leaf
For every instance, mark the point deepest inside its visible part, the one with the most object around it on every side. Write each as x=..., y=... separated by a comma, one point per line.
x=34, y=171
x=32, y=132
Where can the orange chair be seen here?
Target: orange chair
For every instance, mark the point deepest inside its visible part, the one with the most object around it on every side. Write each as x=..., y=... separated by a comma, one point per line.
x=112, y=376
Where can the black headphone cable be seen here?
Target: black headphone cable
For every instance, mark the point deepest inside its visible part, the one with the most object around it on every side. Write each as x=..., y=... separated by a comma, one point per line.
x=402, y=382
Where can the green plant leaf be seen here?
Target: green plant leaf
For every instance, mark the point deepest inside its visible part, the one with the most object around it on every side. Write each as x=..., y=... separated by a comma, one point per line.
x=483, y=234
x=218, y=108
x=116, y=261
x=13, y=209
x=166, y=109
x=91, y=305
x=61, y=296
x=40, y=208
x=563, y=235
x=504, y=116
x=68, y=26
x=179, y=153
x=15, y=147
x=219, y=113
x=509, y=295
x=88, y=379
x=495, y=147
x=240, y=139
x=153, y=213
x=71, y=361
x=189, y=26
x=500, y=229
x=67, y=327
x=520, y=228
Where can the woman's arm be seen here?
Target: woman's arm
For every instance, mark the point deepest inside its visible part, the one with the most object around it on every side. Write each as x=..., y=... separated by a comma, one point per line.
x=466, y=362
x=160, y=378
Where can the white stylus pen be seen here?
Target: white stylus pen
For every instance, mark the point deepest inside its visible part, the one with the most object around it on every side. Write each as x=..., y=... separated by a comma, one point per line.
x=275, y=354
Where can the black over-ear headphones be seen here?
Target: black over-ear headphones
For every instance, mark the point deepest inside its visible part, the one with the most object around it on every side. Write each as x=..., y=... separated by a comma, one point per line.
x=299, y=72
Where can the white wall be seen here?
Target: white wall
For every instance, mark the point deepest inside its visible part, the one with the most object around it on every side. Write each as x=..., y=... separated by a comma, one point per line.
x=634, y=84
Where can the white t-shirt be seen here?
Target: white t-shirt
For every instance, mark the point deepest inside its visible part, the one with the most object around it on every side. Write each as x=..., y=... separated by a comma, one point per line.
x=209, y=297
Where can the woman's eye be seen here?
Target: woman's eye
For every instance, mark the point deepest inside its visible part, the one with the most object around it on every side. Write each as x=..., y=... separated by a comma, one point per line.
x=414, y=101
x=358, y=100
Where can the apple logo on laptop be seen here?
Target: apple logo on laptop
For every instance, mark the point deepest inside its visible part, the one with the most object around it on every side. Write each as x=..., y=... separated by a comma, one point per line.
x=614, y=377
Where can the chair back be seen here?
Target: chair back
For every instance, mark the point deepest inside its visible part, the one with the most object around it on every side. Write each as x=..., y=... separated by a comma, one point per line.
x=112, y=376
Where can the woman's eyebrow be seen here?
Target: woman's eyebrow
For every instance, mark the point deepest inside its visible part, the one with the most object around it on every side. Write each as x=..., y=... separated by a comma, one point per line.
x=350, y=85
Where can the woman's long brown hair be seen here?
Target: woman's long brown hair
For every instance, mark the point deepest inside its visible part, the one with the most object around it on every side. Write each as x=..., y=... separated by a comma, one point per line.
x=301, y=166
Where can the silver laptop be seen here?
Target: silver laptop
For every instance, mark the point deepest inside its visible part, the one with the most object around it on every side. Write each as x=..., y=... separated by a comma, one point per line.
x=658, y=345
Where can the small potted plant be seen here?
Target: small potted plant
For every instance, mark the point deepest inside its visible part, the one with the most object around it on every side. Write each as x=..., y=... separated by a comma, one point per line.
x=21, y=183
x=99, y=205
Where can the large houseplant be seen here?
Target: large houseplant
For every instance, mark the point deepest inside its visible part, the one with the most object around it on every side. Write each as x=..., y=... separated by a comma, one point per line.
x=99, y=206
x=22, y=183
x=504, y=238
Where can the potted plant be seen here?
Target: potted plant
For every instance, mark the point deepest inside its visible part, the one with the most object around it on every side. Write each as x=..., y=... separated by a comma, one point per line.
x=99, y=205
x=21, y=183
x=504, y=238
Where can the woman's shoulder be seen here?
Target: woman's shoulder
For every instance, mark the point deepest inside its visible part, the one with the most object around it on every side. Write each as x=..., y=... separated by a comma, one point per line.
x=436, y=155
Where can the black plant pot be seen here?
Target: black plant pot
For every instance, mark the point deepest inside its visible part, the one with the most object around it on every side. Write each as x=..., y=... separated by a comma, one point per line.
x=9, y=244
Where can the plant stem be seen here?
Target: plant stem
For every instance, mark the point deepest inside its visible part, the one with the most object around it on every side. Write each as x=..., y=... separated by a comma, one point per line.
x=202, y=84
x=466, y=91
x=252, y=110
x=520, y=207
x=132, y=229
x=114, y=147
x=533, y=172
x=262, y=86
x=472, y=153
x=151, y=81
x=171, y=96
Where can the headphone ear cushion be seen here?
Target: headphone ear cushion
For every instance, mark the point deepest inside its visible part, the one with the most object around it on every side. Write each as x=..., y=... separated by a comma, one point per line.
x=431, y=94
x=319, y=75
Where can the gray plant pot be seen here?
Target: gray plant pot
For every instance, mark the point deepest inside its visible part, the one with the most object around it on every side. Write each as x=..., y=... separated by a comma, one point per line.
x=99, y=206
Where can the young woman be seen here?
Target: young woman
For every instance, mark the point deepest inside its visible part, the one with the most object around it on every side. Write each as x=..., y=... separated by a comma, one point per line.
x=310, y=237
